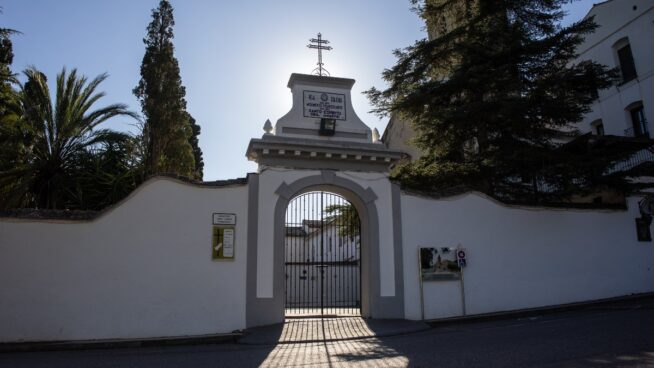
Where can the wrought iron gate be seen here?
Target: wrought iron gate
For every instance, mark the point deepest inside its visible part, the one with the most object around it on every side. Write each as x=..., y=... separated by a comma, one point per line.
x=322, y=256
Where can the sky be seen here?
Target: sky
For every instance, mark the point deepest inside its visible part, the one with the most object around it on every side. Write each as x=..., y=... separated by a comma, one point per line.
x=235, y=57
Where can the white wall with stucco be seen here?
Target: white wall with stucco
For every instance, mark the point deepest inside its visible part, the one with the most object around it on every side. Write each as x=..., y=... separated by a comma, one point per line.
x=520, y=257
x=143, y=269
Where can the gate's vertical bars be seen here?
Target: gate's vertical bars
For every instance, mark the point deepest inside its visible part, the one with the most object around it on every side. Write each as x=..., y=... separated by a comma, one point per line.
x=344, y=269
x=339, y=258
x=328, y=269
x=292, y=274
x=301, y=266
x=312, y=217
x=322, y=255
x=328, y=281
x=297, y=268
x=311, y=209
x=339, y=244
x=308, y=294
x=288, y=257
x=346, y=231
x=357, y=250
x=352, y=290
x=349, y=257
x=312, y=223
x=335, y=252
x=287, y=223
x=314, y=208
x=333, y=266
x=337, y=263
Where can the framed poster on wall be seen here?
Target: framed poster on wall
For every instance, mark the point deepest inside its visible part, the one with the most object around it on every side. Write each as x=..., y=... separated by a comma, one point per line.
x=439, y=264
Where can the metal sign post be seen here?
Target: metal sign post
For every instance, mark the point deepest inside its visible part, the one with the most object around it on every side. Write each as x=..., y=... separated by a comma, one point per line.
x=461, y=260
x=422, y=296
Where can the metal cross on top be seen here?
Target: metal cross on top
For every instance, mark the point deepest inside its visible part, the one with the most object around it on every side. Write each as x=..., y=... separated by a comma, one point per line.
x=317, y=43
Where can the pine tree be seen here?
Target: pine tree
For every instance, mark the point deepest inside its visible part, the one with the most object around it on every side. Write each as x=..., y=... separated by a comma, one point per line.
x=495, y=99
x=161, y=94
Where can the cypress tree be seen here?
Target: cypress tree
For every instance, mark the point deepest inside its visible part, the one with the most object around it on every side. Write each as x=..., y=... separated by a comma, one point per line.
x=197, y=152
x=495, y=98
x=167, y=128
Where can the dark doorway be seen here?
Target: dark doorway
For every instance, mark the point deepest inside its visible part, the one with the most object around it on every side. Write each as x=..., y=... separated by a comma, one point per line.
x=322, y=256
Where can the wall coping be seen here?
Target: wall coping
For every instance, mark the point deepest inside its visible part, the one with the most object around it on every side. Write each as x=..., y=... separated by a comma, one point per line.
x=36, y=214
x=453, y=193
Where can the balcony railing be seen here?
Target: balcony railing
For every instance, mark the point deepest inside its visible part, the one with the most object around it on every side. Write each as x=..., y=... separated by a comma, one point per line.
x=638, y=158
x=643, y=132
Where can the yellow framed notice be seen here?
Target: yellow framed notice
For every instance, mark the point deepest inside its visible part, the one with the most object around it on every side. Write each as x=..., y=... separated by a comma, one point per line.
x=223, y=242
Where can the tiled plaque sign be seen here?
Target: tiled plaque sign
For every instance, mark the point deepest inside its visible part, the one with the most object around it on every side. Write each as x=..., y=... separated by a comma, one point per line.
x=324, y=105
x=223, y=235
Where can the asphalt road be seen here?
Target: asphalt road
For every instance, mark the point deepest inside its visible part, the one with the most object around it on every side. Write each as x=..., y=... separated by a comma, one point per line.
x=620, y=335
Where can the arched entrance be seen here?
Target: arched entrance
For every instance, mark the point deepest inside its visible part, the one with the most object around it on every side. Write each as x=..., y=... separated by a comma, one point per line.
x=322, y=256
x=265, y=292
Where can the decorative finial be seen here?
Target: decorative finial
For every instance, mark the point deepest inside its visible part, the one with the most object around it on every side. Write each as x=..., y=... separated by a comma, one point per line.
x=317, y=43
x=375, y=136
x=267, y=127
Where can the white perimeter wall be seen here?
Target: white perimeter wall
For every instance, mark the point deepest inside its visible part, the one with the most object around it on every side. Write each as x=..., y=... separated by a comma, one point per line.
x=143, y=269
x=522, y=257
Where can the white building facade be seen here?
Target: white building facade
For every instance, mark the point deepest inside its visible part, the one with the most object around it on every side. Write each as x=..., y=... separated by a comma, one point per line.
x=623, y=40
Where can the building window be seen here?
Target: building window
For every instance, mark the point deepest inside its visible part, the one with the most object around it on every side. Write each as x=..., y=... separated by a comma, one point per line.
x=626, y=60
x=638, y=120
x=598, y=127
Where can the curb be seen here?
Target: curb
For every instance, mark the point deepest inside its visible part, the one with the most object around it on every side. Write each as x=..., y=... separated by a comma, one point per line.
x=118, y=343
x=531, y=312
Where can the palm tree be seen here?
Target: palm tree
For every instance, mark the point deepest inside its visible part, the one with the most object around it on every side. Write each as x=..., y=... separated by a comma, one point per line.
x=54, y=135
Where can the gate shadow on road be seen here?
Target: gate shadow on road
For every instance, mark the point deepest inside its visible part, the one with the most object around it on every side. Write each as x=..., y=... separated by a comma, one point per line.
x=323, y=329
x=329, y=341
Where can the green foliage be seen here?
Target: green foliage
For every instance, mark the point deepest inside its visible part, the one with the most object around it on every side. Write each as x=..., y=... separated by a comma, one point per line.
x=106, y=173
x=345, y=217
x=197, y=152
x=6, y=58
x=161, y=94
x=8, y=96
x=54, y=142
x=495, y=98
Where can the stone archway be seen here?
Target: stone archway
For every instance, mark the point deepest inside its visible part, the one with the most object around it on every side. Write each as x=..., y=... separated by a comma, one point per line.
x=363, y=200
x=262, y=311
